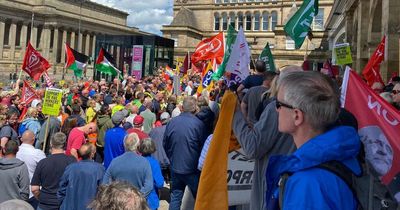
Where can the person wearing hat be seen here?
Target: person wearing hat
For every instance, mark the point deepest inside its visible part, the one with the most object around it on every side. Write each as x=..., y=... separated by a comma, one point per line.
x=138, y=127
x=114, y=137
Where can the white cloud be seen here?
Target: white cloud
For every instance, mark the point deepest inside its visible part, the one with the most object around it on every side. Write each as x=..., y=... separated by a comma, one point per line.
x=147, y=15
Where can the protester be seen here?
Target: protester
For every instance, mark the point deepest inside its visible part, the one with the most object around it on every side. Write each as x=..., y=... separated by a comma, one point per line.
x=308, y=103
x=133, y=111
x=253, y=80
x=14, y=175
x=118, y=195
x=76, y=113
x=30, y=123
x=149, y=116
x=7, y=131
x=45, y=180
x=131, y=167
x=183, y=140
x=138, y=127
x=396, y=96
x=147, y=148
x=79, y=183
x=104, y=123
x=206, y=115
x=77, y=137
x=114, y=138
x=90, y=111
x=31, y=157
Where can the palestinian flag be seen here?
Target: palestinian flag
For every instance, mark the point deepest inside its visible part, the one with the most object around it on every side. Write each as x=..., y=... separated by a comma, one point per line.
x=75, y=61
x=105, y=63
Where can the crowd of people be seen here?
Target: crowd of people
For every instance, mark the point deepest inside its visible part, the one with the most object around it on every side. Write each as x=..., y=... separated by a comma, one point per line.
x=115, y=144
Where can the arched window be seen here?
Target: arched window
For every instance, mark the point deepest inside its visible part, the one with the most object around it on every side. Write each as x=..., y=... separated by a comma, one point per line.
x=248, y=21
x=232, y=20
x=274, y=19
x=265, y=21
x=224, y=21
x=216, y=22
x=240, y=20
x=257, y=21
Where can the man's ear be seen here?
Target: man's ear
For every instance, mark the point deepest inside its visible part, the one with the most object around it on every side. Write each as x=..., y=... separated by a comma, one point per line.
x=298, y=116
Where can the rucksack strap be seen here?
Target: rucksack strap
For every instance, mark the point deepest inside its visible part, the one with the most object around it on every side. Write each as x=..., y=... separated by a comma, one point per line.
x=282, y=184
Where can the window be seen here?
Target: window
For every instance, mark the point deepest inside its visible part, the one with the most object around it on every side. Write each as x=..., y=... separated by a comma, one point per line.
x=240, y=20
x=248, y=22
x=232, y=19
x=290, y=43
x=257, y=21
x=233, y=1
x=226, y=1
x=319, y=20
x=274, y=19
x=265, y=21
x=218, y=1
x=224, y=21
x=216, y=22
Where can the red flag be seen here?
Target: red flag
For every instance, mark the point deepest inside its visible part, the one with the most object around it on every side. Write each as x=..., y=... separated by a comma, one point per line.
x=48, y=80
x=210, y=48
x=198, y=67
x=378, y=124
x=371, y=71
x=28, y=93
x=34, y=64
x=186, y=65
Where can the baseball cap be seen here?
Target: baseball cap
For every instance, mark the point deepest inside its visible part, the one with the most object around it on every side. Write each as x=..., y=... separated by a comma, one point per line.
x=138, y=120
x=164, y=116
x=119, y=116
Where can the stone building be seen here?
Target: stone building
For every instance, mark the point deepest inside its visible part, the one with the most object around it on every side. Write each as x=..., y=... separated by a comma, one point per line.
x=262, y=21
x=362, y=24
x=78, y=23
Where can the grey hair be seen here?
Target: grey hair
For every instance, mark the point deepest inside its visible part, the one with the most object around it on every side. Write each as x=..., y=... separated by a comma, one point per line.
x=147, y=147
x=189, y=104
x=315, y=95
x=58, y=140
x=131, y=142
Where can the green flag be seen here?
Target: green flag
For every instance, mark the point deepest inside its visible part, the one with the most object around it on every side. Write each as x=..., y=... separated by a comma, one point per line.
x=230, y=39
x=300, y=23
x=267, y=57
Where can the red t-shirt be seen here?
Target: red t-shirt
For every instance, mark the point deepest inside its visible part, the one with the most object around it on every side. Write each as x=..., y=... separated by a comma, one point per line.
x=142, y=135
x=76, y=139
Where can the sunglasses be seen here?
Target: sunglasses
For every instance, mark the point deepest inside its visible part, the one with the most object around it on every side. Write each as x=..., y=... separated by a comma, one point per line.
x=395, y=92
x=280, y=104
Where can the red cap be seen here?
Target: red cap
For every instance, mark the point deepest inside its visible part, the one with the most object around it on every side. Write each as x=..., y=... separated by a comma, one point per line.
x=138, y=120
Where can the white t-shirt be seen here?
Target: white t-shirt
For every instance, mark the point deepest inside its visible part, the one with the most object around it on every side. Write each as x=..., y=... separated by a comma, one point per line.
x=188, y=90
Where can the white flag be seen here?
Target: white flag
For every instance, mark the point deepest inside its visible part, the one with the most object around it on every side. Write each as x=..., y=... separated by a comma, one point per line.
x=239, y=60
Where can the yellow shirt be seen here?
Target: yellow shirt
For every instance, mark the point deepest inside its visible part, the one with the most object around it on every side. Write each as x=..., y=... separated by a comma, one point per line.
x=116, y=108
x=90, y=113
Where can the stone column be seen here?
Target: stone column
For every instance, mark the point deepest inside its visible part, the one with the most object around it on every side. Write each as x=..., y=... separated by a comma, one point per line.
x=24, y=33
x=94, y=46
x=55, y=45
x=253, y=19
x=117, y=56
x=11, y=39
x=64, y=40
x=80, y=42
x=45, y=42
x=2, y=29
x=362, y=36
x=236, y=22
x=33, y=37
x=87, y=44
x=390, y=27
x=72, y=44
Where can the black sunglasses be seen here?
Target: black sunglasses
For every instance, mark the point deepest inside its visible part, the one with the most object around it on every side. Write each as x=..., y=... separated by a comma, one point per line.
x=395, y=92
x=280, y=104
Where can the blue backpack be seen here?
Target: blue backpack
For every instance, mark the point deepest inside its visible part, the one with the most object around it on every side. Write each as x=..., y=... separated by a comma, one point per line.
x=22, y=128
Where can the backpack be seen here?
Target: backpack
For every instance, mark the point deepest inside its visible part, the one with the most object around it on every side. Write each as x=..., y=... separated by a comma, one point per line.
x=370, y=192
x=265, y=100
x=21, y=129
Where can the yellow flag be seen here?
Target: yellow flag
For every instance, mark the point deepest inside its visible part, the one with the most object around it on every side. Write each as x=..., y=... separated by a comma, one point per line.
x=206, y=81
x=213, y=187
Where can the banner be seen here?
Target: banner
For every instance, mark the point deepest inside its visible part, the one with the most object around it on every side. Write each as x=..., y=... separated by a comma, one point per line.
x=28, y=93
x=52, y=102
x=229, y=41
x=34, y=64
x=137, y=61
x=343, y=54
x=371, y=71
x=210, y=48
x=239, y=59
x=378, y=124
x=266, y=56
x=206, y=81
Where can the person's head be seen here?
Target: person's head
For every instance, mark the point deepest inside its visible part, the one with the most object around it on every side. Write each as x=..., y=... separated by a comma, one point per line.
x=31, y=113
x=268, y=77
x=15, y=204
x=76, y=109
x=378, y=151
x=189, y=104
x=118, y=195
x=12, y=117
x=119, y=117
x=58, y=141
x=260, y=66
x=306, y=101
x=148, y=103
x=131, y=142
x=104, y=109
x=10, y=149
x=165, y=117
x=190, y=84
x=87, y=151
x=28, y=137
x=202, y=101
x=15, y=99
x=3, y=119
x=396, y=94
x=91, y=103
x=172, y=99
x=89, y=128
x=377, y=87
x=147, y=147
x=138, y=121
x=85, y=92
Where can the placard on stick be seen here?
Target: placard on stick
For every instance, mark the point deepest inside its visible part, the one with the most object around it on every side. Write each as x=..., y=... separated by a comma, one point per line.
x=52, y=102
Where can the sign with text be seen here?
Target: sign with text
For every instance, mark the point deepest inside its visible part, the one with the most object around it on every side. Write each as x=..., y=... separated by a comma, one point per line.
x=52, y=102
x=343, y=54
x=137, y=61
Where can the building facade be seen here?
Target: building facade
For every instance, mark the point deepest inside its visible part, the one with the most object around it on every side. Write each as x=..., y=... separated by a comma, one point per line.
x=78, y=23
x=362, y=24
x=262, y=21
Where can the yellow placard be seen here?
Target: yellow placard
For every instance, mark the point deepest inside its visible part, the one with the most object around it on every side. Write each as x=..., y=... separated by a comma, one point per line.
x=52, y=102
x=61, y=83
x=343, y=54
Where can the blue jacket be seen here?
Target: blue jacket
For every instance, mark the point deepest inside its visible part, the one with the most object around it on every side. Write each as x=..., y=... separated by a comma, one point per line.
x=183, y=140
x=113, y=144
x=153, y=200
x=313, y=188
x=78, y=185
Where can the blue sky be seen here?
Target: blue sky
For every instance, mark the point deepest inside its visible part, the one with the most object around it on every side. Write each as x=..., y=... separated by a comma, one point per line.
x=147, y=15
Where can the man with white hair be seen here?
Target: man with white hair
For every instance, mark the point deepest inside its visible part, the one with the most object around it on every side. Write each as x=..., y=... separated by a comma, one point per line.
x=131, y=167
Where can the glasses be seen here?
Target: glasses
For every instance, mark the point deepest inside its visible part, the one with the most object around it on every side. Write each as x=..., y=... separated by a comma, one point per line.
x=395, y=92
x=280, y=104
